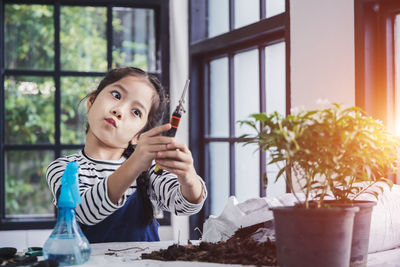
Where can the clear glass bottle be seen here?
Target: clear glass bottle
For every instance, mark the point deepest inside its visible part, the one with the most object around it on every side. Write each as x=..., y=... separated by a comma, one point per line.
x=67, y=244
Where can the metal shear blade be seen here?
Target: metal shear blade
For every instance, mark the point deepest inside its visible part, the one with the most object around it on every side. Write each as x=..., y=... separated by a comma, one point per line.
x=182, y=99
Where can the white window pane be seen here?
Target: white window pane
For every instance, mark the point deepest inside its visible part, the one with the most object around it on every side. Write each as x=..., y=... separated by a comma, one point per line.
x=219, y=176
x=219, y=98
x=218, y=17
x=274, y=7
x=397, y=73
x=246, y=12
x=275, y=188
x=247, y=171
x=275, y=78
x=246, y=82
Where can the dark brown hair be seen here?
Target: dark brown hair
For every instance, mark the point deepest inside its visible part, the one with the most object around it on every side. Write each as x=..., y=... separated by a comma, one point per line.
x=155, y=117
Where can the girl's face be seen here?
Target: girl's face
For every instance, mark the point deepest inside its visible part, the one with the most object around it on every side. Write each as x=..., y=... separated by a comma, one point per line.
x=120, y=111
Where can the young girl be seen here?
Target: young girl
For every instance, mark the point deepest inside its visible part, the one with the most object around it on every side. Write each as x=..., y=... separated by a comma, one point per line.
x=117, y=182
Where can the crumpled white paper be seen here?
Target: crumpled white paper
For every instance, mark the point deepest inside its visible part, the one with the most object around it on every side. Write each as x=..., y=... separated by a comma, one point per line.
x=385, y=219
x=236, y=215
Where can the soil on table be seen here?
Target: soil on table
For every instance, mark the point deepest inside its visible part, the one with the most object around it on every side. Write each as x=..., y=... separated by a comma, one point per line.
x=239, y=249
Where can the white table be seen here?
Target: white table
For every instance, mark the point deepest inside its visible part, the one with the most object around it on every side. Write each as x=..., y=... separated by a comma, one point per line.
x=387, y=258
x=131, y=257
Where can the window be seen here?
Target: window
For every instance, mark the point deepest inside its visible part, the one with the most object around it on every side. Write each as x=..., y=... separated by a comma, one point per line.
x=53, y=54
x=377, y=59
x=377, y=50
x=239, y=58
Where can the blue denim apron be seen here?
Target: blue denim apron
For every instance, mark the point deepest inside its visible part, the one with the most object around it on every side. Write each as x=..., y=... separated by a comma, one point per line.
x=124, y=225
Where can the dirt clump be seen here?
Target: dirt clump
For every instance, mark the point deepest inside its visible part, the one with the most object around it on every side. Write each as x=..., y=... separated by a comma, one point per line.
x=241, y=248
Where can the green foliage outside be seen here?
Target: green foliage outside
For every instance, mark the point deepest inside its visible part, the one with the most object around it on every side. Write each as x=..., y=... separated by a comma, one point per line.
x=29, y=35
x=29, y=105
x=83, y=38
x=30, y=100
x=27, y=192
x=122, y=49
x=73, y=109
x=128, y=53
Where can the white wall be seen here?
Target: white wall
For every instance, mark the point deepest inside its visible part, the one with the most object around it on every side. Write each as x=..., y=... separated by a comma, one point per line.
x=322, y=52
x=179, y=72
x=22, y=239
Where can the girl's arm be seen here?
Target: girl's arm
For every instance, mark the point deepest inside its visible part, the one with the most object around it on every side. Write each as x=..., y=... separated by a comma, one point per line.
x=148, y=145
x=178, y=159
x=166, y=193
x=171, y=155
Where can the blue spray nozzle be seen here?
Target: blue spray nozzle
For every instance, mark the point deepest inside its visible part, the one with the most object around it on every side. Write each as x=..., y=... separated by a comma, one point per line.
x=69, y=196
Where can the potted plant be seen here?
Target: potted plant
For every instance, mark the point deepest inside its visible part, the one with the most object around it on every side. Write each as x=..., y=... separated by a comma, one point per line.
x=334, y=152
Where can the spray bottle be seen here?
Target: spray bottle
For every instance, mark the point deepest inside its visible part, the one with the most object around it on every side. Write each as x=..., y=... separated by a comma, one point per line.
x=67, y=244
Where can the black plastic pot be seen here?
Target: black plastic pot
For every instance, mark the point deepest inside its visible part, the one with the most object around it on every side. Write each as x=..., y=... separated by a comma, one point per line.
x=361, y=230
x=313, y=237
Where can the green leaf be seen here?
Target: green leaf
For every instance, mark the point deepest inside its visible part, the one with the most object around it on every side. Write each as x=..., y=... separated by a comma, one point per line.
x=281, y=171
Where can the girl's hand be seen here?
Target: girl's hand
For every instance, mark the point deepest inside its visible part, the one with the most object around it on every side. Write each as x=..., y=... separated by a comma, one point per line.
x=148, y=144
x=177, y=158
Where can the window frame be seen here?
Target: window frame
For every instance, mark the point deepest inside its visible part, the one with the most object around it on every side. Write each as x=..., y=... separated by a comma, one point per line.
x=374, y=58
x=161, y=9
x=266, y=31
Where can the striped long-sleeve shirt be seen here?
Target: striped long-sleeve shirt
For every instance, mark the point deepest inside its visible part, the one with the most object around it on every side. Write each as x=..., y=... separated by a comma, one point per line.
x=164, y=189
